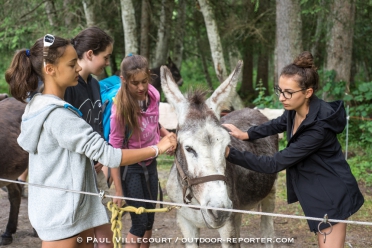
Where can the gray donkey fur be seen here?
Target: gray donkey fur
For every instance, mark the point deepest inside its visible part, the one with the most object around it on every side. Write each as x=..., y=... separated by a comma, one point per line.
x=201, y=145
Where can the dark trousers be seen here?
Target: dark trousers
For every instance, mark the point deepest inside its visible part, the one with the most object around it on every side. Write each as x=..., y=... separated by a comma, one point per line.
x=135, y=186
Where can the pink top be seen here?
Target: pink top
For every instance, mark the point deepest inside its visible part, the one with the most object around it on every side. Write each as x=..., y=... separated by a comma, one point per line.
x=149, y=126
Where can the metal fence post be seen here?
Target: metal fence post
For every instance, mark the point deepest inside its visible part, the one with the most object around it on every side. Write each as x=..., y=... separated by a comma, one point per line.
x=347, y=130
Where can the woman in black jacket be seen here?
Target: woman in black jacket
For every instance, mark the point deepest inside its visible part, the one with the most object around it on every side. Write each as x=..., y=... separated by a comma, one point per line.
x=318, y=175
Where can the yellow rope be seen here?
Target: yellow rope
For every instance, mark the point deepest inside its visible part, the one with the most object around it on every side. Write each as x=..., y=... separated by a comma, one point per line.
x=117, y=213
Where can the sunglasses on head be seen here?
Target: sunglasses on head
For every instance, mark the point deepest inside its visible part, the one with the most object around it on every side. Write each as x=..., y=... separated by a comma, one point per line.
x=48, y=41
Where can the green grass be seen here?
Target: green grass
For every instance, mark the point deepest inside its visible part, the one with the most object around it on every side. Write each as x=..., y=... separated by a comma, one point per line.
x=361, y=168
x=165, y=162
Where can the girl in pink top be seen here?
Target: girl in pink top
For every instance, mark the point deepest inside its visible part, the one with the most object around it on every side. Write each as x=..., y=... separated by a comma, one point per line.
x=135, y=124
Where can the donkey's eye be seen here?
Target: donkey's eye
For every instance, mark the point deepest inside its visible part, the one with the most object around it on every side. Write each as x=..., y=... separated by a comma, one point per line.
x=190, y=150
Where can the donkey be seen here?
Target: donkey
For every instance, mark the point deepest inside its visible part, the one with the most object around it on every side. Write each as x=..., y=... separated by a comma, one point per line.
x=3, y=96
x=155, y=79
x=200, y=174
x=13, y=160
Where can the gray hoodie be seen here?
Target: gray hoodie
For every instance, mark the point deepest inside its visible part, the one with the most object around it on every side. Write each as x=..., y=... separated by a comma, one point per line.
x=61, y=146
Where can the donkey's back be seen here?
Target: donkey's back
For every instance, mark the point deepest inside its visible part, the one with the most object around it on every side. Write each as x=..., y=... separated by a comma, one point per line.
x=248, y=187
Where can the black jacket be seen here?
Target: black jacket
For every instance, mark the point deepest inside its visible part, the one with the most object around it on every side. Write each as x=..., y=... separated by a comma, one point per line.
x=87, y=98
x=318, y=175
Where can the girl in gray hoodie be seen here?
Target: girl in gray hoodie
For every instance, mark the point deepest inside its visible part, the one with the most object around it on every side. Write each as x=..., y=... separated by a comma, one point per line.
x=62, y=145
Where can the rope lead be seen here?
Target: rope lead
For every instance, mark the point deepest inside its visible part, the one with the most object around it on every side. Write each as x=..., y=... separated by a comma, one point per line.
x=117, y=213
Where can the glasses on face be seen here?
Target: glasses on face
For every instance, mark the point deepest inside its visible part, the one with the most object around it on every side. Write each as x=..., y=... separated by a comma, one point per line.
x=286, y=94
x=48, y=41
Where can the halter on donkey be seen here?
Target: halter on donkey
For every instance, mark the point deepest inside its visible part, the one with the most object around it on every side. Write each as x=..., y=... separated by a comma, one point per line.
x=200, y=172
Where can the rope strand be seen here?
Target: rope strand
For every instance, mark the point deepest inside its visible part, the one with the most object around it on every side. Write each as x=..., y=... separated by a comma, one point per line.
x=196, y=206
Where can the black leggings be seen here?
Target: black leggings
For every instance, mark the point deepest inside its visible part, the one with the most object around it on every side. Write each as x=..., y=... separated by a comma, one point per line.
x=135, y=186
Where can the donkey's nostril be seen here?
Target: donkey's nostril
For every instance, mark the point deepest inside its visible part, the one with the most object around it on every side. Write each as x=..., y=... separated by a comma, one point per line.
x=214, y=213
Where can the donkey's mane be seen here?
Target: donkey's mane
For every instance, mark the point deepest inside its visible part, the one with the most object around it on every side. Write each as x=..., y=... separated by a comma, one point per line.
x=199, y=111
x=196, y=98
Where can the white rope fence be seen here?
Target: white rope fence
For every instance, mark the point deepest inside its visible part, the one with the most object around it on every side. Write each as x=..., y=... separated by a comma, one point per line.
x=194, y=206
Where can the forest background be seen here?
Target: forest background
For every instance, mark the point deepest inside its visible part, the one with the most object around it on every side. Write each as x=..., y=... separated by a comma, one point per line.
x=206, y=38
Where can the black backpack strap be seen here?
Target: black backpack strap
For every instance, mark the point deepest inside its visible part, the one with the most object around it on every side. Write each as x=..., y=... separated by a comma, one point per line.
x=108, y=177
x=104, y=105
x=125, y=145
x=124, y=173
x=160, y=194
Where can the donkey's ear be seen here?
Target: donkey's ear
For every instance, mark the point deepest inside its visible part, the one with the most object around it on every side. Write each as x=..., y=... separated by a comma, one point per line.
x=221, y=96
x=173, y=93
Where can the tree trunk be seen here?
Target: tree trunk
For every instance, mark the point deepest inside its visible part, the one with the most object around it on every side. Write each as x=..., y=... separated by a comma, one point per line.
x=164, y=31
x=89, y=12
x=199, y=44
x=145, y=29
x=367, y=69
x=288, y=33
x=247, y=83
x=51, y=12
x=66, y=13
x=263, y=69
x=114, y=65
x=205, y=69
x=214, y=40
x=179, y=34
x=234, y=57
x=339, y=47
x=129, y=26
x=318, y=34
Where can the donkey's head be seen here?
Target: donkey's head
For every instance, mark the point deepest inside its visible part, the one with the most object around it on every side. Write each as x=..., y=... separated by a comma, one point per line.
x=202, y=142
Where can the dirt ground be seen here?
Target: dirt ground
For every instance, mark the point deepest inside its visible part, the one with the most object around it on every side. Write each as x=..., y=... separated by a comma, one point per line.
x=165, y=226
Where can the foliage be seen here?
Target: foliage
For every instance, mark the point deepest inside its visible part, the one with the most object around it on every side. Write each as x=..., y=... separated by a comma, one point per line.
x=4, y=87
x=363, y=40
x=263, y=101
x=22, y=22
x=192, y=74
x=359, y=101
x=358, y=132
x=361, y=166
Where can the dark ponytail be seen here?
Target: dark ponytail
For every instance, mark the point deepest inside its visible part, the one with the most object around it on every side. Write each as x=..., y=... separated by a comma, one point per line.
x=27, y=66
x=303, y=67
x=20, y=76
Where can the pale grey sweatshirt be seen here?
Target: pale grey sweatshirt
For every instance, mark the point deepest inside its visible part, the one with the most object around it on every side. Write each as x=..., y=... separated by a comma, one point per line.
x=61, y=148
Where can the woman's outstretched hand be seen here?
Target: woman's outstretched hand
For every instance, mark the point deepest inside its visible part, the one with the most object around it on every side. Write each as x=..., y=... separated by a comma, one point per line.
x=236, y=132
x=168, y=143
